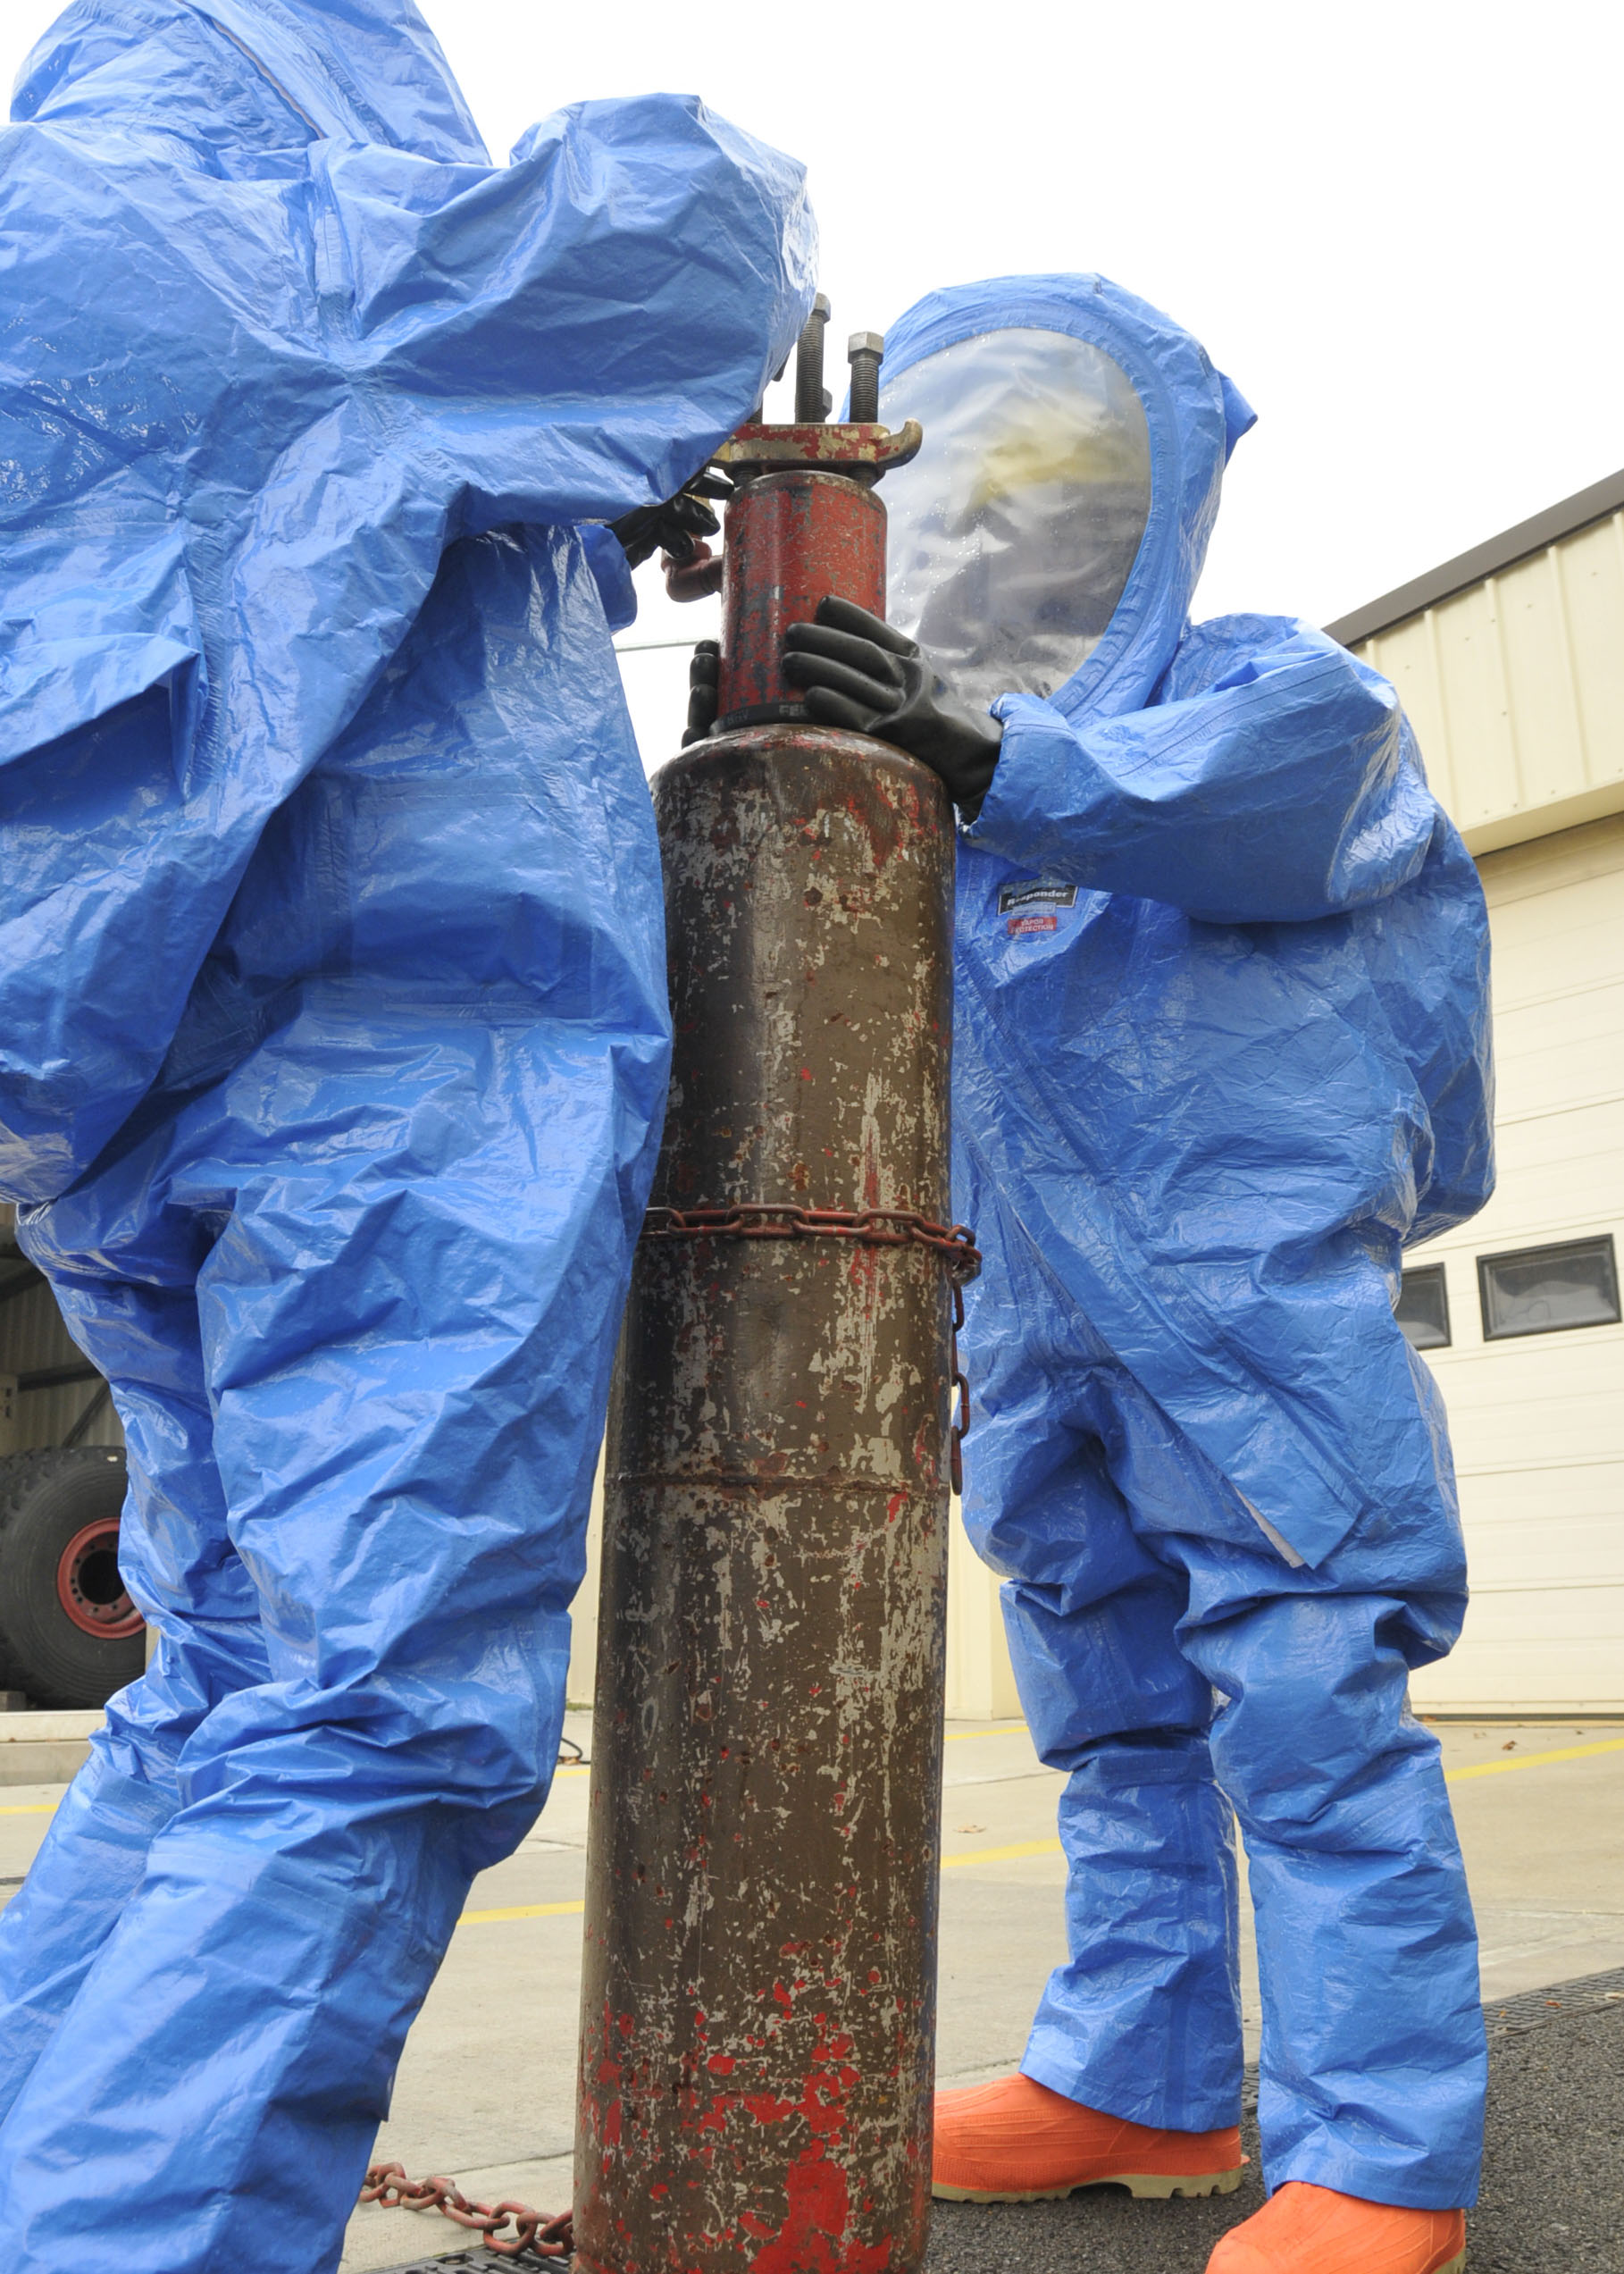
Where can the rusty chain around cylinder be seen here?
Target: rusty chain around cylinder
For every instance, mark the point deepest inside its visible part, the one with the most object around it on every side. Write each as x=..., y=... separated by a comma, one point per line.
x=786, y=1220
x=871, y=1228
x=535, y=2237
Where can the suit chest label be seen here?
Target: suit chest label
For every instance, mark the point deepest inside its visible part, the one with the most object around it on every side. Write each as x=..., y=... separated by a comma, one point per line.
x=1028, y=908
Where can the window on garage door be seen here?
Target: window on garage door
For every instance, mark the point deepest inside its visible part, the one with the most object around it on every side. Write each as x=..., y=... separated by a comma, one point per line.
x=1422, y=1308
x=1541, y=1290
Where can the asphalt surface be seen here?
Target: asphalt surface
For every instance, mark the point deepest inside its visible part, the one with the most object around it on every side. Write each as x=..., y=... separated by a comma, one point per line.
x=1552, y=2198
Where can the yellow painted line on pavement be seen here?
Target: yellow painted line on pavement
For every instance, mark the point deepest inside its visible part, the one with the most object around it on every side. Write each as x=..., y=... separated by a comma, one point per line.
x=1003, y=1855
x=522, y=1911
x=1480, y=1768
x=1536, y=1760
x=1015, y=1853
x=561, y=1911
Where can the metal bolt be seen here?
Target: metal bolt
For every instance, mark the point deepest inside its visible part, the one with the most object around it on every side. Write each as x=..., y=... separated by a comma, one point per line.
x=811, y=399
x=865, y=351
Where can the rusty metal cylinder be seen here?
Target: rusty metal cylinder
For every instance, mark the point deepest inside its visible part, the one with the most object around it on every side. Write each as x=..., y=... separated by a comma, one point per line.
x=792, y=539
x=758, y=2038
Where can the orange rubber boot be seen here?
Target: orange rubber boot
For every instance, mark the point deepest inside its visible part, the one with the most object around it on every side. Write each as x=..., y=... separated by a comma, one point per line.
x=1017, y=2142
x=1302, y=2229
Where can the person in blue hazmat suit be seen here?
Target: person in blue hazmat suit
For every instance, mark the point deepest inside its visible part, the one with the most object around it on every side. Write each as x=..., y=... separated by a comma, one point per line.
x=1221, y=1050
x=333, y=1029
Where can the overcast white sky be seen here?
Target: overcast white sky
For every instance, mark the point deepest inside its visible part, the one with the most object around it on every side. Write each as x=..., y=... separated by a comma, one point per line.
x=1395, y=224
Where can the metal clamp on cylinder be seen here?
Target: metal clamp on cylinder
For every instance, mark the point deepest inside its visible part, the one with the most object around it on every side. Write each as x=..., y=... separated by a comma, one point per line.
x=858, y=448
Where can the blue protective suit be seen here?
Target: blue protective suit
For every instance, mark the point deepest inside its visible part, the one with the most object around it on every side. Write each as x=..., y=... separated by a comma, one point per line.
x=1221, y=1051
x=333, y=1031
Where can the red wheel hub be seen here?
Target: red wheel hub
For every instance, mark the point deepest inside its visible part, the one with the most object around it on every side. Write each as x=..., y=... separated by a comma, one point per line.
x=88, y=1587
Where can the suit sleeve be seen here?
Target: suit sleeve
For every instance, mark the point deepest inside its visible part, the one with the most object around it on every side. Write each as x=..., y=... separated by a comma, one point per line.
x=1286, y=788
x=576, y=332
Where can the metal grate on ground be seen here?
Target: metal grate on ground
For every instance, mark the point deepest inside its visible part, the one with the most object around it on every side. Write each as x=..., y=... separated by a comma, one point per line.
x=462, y=2262
x=1532, y=2009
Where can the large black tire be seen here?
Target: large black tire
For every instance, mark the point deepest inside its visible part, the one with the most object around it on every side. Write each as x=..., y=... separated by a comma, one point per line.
x=69, y=1634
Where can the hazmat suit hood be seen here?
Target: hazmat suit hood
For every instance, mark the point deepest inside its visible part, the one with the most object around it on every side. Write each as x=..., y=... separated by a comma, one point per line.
x=1048, y=537
x=240, y=82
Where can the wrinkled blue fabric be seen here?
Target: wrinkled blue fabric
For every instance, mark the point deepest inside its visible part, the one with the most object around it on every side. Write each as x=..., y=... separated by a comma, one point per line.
x=1198, y=1116
x=333, y=1030
x=270, y=355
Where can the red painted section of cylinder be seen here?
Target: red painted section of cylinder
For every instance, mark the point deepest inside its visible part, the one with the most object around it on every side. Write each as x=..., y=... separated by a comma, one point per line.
x=792, y=539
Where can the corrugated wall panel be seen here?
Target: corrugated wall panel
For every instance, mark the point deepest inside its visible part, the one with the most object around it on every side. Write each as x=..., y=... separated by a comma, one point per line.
x=1485, y=755
x=33, y=1338
x=1537, y=678
x=1593, y=585
x=1406, y=655
x=1516, y=689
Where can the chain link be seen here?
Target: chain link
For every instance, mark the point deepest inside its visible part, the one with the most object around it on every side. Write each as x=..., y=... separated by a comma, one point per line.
x=784, y=1220
x=536, y=2236
x=874, y=1228
x=961, y=1393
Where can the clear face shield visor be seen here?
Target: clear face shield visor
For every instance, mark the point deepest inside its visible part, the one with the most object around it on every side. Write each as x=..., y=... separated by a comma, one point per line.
x=1013, y=532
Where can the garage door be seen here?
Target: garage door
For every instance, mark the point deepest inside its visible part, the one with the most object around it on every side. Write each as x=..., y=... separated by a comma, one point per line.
x=1518, y=1313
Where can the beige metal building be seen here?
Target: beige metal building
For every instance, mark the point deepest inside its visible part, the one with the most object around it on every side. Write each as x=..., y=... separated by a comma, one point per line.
x=1511, y=663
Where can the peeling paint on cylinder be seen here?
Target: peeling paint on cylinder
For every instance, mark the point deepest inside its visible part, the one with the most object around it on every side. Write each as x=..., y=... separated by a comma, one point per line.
x=759, y=2002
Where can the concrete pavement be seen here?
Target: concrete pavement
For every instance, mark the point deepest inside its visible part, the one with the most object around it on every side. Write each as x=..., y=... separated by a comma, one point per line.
x=485, y=2090
x=1545, y=1846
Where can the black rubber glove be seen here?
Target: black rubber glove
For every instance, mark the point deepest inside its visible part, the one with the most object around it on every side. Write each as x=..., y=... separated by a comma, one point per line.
x=675, y=527
x=703, y=670
x=861, y=674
